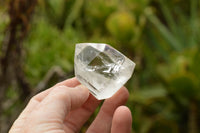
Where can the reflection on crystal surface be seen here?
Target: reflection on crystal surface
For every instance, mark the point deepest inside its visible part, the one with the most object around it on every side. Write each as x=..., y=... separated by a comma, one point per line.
x=101, y=68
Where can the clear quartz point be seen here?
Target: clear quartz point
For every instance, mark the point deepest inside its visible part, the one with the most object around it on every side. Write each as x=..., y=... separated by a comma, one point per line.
x=101, y=68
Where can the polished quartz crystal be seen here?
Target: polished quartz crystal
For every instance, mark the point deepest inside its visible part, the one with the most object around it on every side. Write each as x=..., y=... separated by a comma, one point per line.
x=101, y=68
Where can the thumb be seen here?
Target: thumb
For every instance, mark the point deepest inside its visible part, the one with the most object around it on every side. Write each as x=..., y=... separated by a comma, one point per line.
x=60, y=101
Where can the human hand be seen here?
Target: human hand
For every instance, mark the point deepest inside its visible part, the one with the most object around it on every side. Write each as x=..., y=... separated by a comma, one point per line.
x=65, y=107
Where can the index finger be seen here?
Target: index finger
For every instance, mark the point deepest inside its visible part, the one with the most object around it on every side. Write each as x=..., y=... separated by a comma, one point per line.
x=33, y=103
x=73, y=82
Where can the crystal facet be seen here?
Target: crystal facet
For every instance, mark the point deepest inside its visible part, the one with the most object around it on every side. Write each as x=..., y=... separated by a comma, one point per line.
x=101, y=68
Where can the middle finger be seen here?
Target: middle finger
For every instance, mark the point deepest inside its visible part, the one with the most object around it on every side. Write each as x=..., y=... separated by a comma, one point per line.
x=102, y=123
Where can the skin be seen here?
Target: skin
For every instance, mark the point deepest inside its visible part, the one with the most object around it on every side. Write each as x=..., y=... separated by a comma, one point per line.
x=65, y=107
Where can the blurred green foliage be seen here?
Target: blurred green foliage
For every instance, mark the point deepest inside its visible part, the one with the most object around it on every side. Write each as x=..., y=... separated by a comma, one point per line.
x=161, y=36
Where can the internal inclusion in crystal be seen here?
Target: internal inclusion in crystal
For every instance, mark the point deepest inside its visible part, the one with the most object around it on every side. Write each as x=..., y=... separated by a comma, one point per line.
x=101, y=63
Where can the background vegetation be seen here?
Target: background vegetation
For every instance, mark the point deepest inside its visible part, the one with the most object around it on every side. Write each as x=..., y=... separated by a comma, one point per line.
x=37, y=41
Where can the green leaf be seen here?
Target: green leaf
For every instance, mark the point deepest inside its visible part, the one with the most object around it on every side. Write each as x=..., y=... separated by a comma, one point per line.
x=164, y=31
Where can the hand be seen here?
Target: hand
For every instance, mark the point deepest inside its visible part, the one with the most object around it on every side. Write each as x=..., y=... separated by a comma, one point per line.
x=65, y=107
